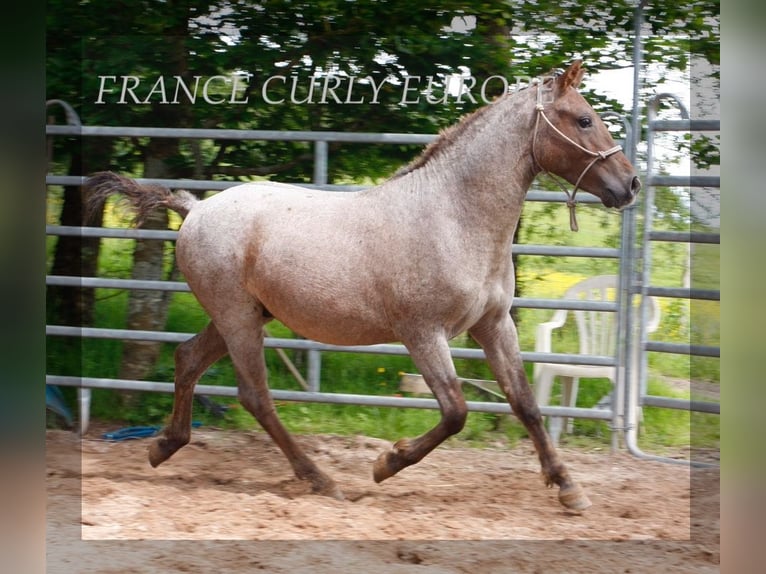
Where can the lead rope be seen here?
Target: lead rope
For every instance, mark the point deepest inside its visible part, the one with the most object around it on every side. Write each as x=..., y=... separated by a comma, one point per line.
x=597, y=155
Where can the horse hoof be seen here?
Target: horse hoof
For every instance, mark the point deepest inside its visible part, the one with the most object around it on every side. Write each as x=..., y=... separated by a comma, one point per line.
x=160, y=450
x=574, y=498
x=392, y=461
x=381, y=468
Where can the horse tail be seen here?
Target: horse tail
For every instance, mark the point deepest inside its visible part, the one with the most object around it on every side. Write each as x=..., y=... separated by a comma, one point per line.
x=143, y=198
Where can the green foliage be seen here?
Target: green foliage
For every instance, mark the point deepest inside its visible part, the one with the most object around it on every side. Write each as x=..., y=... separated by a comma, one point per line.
x=704, y=150
x=302, y=39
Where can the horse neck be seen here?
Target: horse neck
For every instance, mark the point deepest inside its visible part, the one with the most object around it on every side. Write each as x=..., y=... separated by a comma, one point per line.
x=484, y=174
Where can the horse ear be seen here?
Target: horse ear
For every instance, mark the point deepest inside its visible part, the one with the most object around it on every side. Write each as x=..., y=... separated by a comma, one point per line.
x=571, y=77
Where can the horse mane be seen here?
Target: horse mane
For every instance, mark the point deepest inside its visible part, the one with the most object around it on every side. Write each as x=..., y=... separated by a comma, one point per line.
x=451, y=134
x=446, y=138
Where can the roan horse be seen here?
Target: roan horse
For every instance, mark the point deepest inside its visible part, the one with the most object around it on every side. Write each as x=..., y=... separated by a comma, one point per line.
x=419, y=259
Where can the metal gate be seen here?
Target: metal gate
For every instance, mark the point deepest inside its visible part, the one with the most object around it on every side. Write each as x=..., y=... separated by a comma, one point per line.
x=314, y=393
x=640, y=279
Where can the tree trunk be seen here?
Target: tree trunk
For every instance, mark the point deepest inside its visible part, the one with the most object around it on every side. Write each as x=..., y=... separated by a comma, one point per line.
x=147, y=310
x=75, y=255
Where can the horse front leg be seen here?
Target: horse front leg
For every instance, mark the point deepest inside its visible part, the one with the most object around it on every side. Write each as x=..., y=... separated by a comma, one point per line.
x=192, y=358
x=499, y=340
x=432, y=357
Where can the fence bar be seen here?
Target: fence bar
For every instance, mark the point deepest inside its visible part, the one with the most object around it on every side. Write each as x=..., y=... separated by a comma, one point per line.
x=168, y=235
x=105, y=283
x=559, y=197
x=681, y=404
x=215, y=185
x=683, y=349
x=684, y=180
x=565, y=251
x=308, y=345
x=570, y=304
x=685, y=236
x=685, y=125
x=310, y=397
x=237, y=134
x=684, y=293
x=180, y=286
x=111, y=232
x=126, y=334
x=190, y=184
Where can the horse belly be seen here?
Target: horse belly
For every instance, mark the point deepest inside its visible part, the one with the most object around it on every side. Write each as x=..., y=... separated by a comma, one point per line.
x=320, y=290
x=323, y=312
x=336, y=329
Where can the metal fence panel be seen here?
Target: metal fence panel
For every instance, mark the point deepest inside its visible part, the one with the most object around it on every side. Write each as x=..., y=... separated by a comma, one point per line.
x=321, y=139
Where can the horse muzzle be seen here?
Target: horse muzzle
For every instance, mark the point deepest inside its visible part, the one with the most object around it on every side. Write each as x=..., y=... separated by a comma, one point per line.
x=625, y=197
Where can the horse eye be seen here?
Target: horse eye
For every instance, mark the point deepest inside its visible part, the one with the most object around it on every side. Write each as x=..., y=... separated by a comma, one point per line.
x=585, y=122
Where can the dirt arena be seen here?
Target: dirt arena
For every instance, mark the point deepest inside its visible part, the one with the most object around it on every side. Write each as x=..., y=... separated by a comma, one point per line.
x=228, y=503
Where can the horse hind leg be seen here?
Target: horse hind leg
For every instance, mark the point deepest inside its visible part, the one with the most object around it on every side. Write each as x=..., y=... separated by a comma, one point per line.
x=244, y=340
x=192, y=358
x=435, y=364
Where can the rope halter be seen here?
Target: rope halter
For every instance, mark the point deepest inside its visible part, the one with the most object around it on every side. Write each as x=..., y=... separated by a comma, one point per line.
x=596, y=155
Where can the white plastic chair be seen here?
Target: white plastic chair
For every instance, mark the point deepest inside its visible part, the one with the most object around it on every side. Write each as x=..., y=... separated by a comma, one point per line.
x=596, y=331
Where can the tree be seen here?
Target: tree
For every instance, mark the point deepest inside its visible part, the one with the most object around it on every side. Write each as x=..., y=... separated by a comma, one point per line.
x=309, y=41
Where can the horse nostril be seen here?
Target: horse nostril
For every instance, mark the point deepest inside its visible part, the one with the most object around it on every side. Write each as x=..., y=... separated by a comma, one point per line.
x=635, y=185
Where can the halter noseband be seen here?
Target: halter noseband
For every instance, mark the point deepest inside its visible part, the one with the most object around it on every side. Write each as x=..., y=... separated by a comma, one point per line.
x=596, y=155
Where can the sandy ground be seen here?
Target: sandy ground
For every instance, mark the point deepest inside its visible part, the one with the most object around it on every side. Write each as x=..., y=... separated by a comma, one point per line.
x=228, y=503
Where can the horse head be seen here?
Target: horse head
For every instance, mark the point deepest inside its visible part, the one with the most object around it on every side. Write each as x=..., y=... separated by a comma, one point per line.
x=572, y=141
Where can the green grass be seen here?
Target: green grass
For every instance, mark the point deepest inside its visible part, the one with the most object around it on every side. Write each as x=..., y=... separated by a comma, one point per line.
x=663, y=430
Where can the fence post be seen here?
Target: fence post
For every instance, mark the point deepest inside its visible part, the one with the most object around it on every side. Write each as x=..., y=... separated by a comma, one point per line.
x=320, y=162
x=314, y=368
